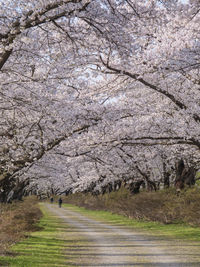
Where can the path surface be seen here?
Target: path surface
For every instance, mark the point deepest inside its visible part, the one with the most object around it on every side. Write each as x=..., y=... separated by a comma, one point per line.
x=95, y=243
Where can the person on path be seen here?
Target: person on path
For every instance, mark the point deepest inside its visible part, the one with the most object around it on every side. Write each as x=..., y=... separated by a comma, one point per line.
x=60, y=202
x=51, y=199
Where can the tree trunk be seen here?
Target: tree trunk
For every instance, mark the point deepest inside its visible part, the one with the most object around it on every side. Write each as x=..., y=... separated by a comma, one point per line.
x=184, y=176
x=166, y=180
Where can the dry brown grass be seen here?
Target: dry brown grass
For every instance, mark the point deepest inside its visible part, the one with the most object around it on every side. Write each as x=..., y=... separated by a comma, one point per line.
x=163, y=206
x=16, y=219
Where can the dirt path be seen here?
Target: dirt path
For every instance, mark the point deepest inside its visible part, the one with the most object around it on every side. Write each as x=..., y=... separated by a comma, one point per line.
x=95, y=243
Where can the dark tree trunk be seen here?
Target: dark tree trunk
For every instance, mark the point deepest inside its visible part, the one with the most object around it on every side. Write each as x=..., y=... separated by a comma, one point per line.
x=166, y=175
x=166, y=180
x=110, y=188
x=150, y=184
x=6, y=186
x=189, y=176
x=179, y=182
x=117, y=185
x=12, y=189
x=134, y=187
x=184, y=176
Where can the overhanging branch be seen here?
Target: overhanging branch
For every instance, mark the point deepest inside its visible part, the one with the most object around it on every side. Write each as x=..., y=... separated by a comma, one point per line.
x=136, y=77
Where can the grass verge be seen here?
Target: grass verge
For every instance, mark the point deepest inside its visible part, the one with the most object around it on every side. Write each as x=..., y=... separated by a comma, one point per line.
x=16, y=219
x=178, y=231
x=57, y=244
x=41, y=248
x=163, y=206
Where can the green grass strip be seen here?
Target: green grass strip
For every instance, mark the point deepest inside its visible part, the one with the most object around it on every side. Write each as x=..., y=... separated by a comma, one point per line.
x=41, y=248
x=178, y=231
x=49, y=246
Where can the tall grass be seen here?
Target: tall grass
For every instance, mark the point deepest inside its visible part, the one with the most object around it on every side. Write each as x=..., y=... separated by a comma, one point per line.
x=16, y=219
x=163, y=206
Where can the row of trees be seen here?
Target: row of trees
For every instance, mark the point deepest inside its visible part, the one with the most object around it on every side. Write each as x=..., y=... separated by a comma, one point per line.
x=94, y=92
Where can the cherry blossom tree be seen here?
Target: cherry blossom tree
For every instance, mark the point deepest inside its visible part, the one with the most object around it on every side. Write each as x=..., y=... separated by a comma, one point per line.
x=93, y=92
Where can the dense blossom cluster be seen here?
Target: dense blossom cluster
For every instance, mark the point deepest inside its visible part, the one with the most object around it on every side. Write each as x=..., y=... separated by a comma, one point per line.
x=94, y=92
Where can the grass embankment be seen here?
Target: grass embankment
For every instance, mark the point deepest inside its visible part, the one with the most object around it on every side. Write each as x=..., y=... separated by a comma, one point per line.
x=40, y=248
x=178, y=231
x=161, y=213
x=16, y=219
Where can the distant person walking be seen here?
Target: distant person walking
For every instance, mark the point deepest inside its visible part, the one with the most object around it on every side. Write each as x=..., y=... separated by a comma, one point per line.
x=60, y=202
x=51, y=199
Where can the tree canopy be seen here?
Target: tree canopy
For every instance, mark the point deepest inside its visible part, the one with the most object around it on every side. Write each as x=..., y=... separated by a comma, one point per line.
x=96, y=91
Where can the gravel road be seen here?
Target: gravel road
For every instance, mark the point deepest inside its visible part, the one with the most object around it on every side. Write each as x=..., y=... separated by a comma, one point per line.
x=94, y=243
